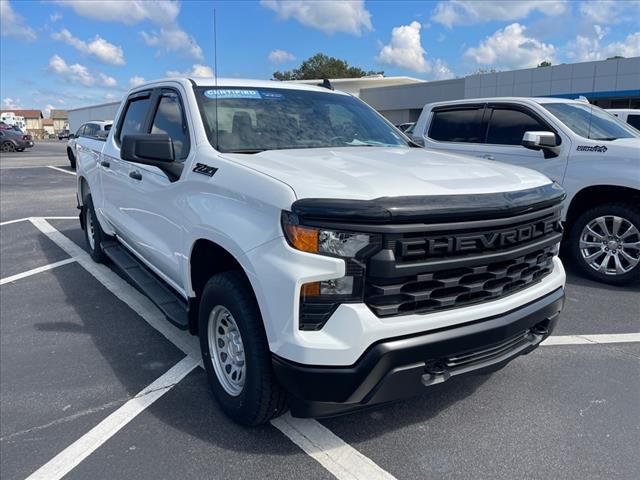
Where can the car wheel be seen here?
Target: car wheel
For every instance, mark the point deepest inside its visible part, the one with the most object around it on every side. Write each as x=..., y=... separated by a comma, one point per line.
x=604, y=242
x=93, y=233
x=72, y=158
x=235, y=352
x=8, y=147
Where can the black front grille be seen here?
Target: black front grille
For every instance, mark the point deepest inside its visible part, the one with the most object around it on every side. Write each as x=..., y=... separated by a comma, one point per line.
x=409, y=276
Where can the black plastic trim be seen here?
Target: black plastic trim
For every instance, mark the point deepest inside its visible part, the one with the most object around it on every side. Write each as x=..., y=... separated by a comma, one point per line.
x=394, y=368
x=449, y=208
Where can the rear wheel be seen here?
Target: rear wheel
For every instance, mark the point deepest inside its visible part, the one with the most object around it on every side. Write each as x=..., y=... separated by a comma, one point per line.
x=604, y=243
x=93, y=233
x=8, y=147
x=235, y=352
x=72, y=158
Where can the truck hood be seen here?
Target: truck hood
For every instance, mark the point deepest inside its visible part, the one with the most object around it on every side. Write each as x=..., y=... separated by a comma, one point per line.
x=365, y=173
x=622, y=147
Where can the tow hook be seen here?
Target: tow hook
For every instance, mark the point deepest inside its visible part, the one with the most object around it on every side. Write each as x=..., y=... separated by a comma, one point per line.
x=435, y=372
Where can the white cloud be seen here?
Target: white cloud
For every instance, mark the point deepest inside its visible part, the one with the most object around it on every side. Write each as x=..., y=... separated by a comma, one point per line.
x=131, y=12
x=98, y=47
x=173, y=39
x=327, y=16
x=609, y=11
x=469, y=12
x=589, y=48
x=280, y=56
x=10, y=103
x=510, y=48
x=47, y=109
x=54, y=17
x=137, y=80
x=405, y=49
x=78, y=73
x=164, y=14
x=13, y=25
x=197, y=70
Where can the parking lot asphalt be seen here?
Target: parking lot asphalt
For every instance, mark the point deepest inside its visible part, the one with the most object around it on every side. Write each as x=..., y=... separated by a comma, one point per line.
x=77, y=348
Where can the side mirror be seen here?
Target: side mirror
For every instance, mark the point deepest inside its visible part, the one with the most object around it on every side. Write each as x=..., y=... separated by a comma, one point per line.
x=72, y=135
x=152, y=149
x=545, y=141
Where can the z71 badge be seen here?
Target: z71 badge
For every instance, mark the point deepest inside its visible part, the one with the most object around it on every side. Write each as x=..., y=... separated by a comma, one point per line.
x=205, y=169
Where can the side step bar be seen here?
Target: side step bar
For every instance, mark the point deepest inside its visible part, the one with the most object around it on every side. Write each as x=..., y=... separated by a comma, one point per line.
x=172, y=305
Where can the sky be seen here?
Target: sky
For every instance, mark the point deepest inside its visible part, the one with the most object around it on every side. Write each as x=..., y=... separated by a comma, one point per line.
x=71, y=53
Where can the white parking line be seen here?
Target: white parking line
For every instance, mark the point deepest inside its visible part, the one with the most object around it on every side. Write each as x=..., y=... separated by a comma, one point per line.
x=592, y=339
x=61, y=170
x=24, y=219
x=329, y=450
x=75, y=453
x=34, y=271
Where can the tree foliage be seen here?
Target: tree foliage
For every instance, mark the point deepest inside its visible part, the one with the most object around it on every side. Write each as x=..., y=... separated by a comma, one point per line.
x=546, y=63
x=322, y=66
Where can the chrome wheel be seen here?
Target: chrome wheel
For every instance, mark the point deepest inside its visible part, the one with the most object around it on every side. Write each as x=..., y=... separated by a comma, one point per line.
x=88, y=221
x=610, y=244
x=227, y=350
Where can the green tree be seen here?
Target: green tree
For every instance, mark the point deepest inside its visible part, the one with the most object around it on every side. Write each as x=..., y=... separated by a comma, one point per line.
x=546, y=63
x=322, y=66
x=615, y=57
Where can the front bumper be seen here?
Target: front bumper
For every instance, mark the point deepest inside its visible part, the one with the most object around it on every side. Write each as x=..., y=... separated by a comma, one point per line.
x=400, y=367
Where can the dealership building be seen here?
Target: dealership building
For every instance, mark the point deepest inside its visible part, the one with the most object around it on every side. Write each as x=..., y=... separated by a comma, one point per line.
x=611, y=83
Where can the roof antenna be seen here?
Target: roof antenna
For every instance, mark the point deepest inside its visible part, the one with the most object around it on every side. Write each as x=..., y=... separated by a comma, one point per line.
x=326, y=84
x=215, y=70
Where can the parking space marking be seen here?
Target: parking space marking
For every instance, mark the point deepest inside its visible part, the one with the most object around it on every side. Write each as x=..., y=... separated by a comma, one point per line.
x=34, y=271
x=70, y=457
x=592, y=339
x=329, y=450
x=61, y=170
x=26, y=219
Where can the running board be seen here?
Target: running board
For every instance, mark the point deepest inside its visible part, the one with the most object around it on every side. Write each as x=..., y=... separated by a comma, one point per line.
x=169, y=302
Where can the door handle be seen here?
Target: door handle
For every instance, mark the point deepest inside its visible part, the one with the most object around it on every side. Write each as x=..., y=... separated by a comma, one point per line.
x=135, y=174
x=105, y=163
x=488, y=156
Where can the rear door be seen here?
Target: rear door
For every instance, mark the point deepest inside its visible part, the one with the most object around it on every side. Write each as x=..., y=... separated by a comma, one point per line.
x=506, y=124
x=118, y=199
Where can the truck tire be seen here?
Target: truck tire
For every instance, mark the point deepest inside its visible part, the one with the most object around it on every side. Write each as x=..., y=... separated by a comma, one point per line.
x=604, y=243
x=8, y=147
x=93, y=233
x=72, y=158
x=235, y=352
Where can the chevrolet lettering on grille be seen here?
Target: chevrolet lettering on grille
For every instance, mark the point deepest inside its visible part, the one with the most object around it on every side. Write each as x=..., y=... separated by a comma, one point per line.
x=477, y=242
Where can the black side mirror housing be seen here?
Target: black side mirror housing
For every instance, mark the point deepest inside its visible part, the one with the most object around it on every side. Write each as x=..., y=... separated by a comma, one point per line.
x=152, y=149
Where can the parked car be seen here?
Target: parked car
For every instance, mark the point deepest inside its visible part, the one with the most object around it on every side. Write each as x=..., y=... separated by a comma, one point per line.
x=63, y=135
x=322, y=259
x=14, y=141
x=629, y=115
x=595, y=156
x=90, y=130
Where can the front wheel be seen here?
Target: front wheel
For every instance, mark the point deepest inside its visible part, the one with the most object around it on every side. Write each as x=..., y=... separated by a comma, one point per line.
x=93, y=233
x=235, y=352
x=604, y=243
x=8, y=147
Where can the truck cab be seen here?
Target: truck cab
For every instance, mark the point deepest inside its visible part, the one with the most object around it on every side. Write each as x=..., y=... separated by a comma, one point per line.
x=593, y=155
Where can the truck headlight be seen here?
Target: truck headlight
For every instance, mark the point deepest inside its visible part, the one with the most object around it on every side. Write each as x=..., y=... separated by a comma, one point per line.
x=318, y=300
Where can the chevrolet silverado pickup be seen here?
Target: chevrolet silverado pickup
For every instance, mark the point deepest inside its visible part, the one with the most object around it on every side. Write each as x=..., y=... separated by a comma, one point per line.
x=325, y=262
x=592, y=154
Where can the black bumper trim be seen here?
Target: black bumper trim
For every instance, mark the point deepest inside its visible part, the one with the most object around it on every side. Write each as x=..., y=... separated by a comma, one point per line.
x=397, y=368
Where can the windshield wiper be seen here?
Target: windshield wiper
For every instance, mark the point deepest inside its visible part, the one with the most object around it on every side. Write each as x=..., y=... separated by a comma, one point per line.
x=246, y=150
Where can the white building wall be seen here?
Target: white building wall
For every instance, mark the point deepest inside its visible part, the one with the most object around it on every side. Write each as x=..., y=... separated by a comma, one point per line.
x=78, y=116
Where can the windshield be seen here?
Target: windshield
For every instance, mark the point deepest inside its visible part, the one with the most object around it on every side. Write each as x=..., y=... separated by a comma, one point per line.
x=251, y=120
x=590, y=121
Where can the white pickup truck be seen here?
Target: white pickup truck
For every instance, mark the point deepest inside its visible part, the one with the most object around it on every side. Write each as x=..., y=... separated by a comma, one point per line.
x=593, y=155
x=325, y=262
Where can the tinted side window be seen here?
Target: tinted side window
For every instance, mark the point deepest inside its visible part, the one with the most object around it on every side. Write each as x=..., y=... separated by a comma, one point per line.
x=507, y=127
x=460, y=125
x=134, y=117
x=80, y=131
x=90, y=130
x=169, y=119
x=634, y=121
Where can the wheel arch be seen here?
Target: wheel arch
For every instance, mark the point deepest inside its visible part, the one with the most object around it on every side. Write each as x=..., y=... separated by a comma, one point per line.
x=208, y=258
x=597, y=195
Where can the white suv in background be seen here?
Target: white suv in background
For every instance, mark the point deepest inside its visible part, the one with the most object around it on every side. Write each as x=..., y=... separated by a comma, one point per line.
x=94, y=129
x=629, y=115
x=593, y=155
